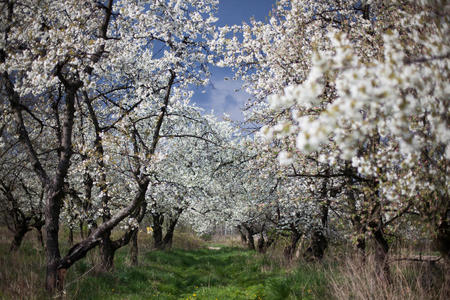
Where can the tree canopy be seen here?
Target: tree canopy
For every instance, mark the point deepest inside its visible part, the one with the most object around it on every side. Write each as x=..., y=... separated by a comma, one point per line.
x=346, y=135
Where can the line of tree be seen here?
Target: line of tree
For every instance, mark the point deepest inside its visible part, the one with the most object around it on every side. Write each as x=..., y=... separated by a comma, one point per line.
x=346, y=135
x=352, y=97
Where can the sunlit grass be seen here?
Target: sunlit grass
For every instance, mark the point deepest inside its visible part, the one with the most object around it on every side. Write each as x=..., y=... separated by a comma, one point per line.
x=196, y=272
x=228, y=273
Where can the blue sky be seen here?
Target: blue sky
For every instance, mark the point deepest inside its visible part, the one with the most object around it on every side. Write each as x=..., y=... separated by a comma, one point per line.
x=237, y=11
x=221, y=95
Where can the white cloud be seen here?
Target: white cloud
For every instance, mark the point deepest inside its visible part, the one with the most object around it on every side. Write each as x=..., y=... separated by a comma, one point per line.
x=223, y=96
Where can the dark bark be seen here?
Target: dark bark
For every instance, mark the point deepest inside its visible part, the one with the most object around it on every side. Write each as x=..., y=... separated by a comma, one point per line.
x=52, y=212
x=442, y=240
x=70, y=236
x=264, y=242
x=289, y=250
x=168, y=238
x=18, y=238
x=358, y=227
x=159, y=122
x=381, y=245
x=158, y=220
x=161, y=240
x=55, y=190
x=81, y=230
x=250, y=240
x=16, y=220
x=134, y=249
x=242, y=234
x=173, y=220
x=109, y=247
x=52, y=243
x=319, y=241
x=261, y=243
x=361, y=247
x=381, y=255
x=107, y=251
x=270, y=240
x=318, y=245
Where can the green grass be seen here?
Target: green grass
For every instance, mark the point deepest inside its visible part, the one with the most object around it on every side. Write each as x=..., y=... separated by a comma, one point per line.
x=229, y=273
x=198, y=273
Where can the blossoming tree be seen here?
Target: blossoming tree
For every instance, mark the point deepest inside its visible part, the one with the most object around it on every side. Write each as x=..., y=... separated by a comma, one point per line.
x=91, y=72
x=361, y=88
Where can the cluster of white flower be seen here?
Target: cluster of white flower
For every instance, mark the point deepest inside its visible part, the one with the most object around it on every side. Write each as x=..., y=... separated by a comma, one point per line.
x=355, y=89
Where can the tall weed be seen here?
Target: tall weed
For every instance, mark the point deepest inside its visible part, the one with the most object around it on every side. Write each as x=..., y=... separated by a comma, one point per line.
x=412, y=280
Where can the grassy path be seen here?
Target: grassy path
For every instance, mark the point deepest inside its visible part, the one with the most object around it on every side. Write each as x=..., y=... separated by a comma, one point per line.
x=222, y=274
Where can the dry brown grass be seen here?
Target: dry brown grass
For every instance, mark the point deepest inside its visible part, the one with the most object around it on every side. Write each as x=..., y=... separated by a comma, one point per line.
x=233, y=241
x=187, y=241
x=413, y=280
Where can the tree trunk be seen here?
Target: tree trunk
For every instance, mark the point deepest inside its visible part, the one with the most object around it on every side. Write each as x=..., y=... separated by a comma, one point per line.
x=53, y=280
x=358, y=227
x=270, y=240
x=360, y=239
x=264, y=244
x=168, y=241
x=158, y=220
x=70, y=236
x=250, y=240
x=361, y=247
x=289, y=250
x=92, y=225
x=381, y=251
x=18, y=238
x=168, y=238
x=261, y=243
x=318, y=245
x=319, y=240
x=107, y=251
x=242, y=234
x=134, y=248
x=442, y=240
x=81, y=230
